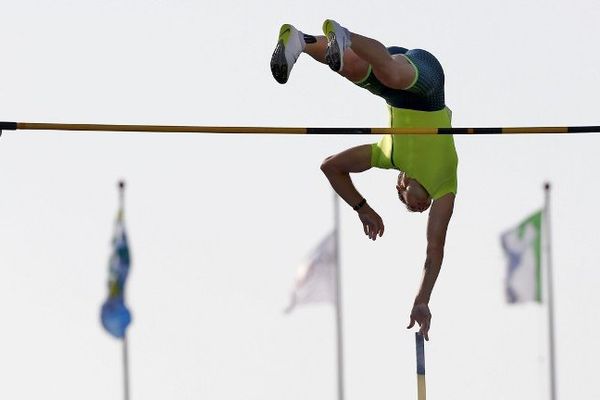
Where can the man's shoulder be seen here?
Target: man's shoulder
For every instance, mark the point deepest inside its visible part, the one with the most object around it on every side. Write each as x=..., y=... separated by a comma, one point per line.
x=445, y=201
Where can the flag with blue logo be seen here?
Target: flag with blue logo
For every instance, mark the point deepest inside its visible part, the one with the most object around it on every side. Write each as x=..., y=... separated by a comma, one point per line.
x=522, y=247
x=115, y=315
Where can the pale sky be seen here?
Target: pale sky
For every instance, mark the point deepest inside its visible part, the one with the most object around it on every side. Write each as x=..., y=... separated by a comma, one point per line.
x=219, y=223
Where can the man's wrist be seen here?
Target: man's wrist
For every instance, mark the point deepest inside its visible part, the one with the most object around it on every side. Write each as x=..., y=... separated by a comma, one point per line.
x=421, y=299
x=360, y=204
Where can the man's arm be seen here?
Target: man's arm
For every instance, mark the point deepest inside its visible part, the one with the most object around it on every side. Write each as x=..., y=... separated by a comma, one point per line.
x=337, y=169
x=437, y=225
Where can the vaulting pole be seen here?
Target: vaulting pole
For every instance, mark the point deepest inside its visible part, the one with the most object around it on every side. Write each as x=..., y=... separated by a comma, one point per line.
x=37, y=126
x=420, y=347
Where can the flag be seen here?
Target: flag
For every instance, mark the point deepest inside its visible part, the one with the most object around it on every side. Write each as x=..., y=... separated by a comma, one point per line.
x=114, y=314
x=316, y=277
x=522, y=247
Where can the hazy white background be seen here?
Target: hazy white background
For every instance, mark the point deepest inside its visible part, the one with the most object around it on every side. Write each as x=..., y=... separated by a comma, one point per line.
x=218, y=224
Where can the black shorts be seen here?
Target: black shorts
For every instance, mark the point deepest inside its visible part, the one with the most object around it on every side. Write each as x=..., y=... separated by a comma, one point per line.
x=425, y=94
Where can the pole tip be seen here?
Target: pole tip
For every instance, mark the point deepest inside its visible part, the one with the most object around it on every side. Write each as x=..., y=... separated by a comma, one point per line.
x=546, y=186
x=121, y=184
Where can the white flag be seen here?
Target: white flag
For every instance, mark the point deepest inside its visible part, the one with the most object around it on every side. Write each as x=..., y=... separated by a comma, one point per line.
x=316, y=277
x=522, y=246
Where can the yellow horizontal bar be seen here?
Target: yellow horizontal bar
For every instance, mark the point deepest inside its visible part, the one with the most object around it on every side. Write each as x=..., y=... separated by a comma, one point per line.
x=156, y=128
x=541, y=129
x=295, y=130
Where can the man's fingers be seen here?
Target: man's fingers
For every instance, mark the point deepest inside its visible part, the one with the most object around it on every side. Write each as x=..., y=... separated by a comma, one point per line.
x=378, y=231
x=425, y=332
x=411, y=324
x=425, y=329
x=372, y=226
x=369, y=231
x=372, y=231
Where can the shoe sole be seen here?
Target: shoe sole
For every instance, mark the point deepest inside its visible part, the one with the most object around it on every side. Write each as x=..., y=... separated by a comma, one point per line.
x=332, y=54
x=279, y=67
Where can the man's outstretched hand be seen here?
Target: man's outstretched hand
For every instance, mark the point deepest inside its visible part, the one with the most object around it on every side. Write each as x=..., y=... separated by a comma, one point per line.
x=420, y=314
x=372, y=222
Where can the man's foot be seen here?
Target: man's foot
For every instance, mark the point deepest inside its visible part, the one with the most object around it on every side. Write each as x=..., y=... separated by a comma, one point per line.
x=289, y=47
x=338, y=40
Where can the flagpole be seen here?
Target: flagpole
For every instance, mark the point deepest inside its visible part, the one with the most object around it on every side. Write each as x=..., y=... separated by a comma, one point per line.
x=125, y=369
x=121, y=186
x=547, y=246
x=338, y=301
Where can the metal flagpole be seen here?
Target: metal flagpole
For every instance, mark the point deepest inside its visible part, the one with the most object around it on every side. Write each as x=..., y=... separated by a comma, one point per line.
x=121, y=186
x=548, y=242
x=338, y=301
x=125, y=369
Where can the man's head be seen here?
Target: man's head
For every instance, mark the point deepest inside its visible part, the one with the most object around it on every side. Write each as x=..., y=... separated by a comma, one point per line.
x=412, y=193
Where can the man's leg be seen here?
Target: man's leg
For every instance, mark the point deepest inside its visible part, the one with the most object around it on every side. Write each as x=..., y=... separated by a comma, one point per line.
x=394, y=72
x=291, y=43
x=355, y=68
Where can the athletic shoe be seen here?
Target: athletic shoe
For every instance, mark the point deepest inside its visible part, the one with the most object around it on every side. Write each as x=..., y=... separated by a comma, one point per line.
x=338, y=40
x=289, y=47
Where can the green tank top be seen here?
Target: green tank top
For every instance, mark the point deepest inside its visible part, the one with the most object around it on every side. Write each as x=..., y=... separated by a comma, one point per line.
x=430, y=159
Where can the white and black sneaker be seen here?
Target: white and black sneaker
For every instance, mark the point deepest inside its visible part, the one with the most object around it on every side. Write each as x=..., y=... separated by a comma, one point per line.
x=290, y=45
x=338, y=40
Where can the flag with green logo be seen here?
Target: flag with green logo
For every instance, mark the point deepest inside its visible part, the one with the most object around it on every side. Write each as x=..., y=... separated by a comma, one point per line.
x=522, y=247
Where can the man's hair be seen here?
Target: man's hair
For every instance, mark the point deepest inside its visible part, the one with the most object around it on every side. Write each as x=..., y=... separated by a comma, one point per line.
x=404, y=191
x=402, y=198
x=403, y=201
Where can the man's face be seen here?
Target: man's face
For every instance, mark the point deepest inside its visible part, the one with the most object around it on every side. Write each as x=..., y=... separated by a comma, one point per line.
x=412, y=194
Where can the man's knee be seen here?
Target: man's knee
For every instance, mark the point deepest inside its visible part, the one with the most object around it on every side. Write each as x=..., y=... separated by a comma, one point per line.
x=355, y=68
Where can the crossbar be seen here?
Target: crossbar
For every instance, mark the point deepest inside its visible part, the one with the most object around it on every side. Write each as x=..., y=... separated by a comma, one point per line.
x=46, y=126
